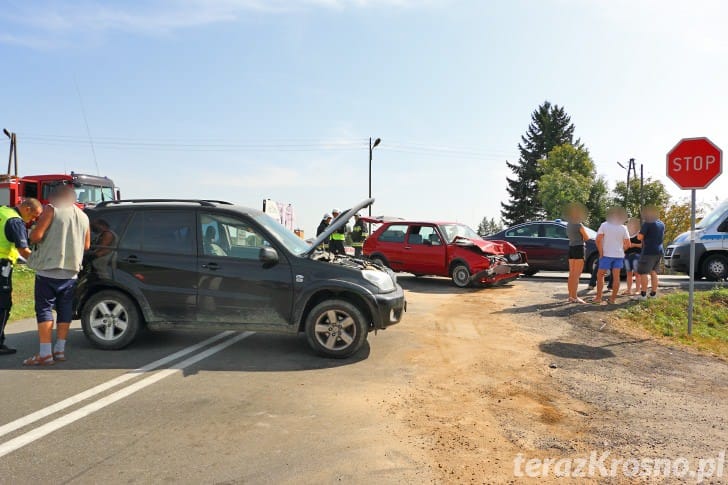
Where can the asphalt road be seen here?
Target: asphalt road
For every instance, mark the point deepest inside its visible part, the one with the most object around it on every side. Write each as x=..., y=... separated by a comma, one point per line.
x=235, y=407
x=207, y=407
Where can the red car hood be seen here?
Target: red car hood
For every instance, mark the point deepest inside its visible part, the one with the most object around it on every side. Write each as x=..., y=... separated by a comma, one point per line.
x=488, y=247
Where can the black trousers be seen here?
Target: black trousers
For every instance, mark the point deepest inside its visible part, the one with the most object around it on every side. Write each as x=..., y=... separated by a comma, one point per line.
x=336, y=246
x=6, y=295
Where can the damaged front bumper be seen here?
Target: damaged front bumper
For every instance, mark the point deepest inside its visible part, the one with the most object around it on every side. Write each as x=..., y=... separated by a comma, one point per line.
x=501, y=270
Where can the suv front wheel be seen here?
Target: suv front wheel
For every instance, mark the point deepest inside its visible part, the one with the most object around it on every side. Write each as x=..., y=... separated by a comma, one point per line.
x=336, y=328
x=110, y=320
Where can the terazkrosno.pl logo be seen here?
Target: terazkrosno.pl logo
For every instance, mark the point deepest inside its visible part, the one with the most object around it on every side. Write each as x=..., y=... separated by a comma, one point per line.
x=604, y=465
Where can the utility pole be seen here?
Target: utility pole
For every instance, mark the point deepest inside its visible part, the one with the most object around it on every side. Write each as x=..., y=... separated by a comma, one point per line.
x=631, y=173
x=13, y=156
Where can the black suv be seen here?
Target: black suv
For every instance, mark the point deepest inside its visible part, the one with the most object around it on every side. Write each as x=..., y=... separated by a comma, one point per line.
x=202, y=264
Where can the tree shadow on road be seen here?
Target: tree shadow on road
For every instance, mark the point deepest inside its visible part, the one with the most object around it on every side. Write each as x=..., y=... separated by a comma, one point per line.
x=575, y=351
x=565, y=309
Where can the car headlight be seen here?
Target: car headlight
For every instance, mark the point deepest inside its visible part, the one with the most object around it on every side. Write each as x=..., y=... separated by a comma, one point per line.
x=380, y=279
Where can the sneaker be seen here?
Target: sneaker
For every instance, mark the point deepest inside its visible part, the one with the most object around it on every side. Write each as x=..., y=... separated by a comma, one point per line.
x=638, y=298
x=653, y=295
x=5, y=350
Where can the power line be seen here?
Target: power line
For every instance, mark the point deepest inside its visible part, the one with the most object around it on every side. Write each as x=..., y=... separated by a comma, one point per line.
x=88, y=130
x=284, y=145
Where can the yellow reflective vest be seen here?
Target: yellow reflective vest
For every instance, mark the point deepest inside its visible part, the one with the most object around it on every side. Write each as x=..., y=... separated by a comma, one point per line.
x=7, y=247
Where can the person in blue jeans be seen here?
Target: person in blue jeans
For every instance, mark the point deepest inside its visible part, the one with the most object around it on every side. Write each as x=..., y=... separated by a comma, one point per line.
x=632, y=256
x=612, y=240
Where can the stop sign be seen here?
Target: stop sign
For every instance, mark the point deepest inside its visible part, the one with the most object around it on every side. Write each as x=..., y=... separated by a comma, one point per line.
x=694, y=163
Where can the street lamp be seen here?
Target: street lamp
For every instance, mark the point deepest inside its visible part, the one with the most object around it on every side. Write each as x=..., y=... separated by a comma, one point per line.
x=372, y=146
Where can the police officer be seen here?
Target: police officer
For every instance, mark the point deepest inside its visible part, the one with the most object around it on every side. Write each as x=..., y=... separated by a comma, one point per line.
x=13, y=244
x=336, y=245
x=325, y=221
x=358, y=234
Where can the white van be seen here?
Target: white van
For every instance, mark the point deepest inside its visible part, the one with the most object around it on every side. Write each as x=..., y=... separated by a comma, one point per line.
x=711, y=247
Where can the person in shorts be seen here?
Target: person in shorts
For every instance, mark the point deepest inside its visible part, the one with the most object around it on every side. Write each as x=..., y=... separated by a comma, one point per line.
x=575, y=231
x=632, y=256
x=62, y=235
x=651, y=234
x=612, y=240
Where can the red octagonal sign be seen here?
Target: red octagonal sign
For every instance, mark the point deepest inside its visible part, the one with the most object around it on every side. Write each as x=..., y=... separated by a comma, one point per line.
x=694, y=163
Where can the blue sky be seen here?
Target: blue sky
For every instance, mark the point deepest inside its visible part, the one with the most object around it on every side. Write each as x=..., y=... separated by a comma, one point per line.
x=248, y=99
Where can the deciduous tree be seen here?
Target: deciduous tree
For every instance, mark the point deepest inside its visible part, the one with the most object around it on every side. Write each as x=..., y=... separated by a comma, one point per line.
x=654, y=193
x=568, y=175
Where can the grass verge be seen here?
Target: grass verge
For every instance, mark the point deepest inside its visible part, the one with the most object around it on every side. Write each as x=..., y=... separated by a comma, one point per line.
x=666, y=316
x=23, y=285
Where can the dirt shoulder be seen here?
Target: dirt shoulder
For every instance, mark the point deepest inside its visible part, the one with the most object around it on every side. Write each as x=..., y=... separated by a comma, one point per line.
x=512, y=370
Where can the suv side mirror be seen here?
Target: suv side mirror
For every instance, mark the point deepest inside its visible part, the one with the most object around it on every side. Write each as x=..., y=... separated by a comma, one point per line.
x=268, y=256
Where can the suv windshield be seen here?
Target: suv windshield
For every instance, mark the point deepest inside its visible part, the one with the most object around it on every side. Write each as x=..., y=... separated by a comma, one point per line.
x=451, y=231
x=713, y=217
x=288, y=239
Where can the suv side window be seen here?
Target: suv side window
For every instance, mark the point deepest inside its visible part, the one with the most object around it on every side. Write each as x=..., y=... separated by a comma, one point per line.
x=106, y=227
x=528, y=230
x=163, y=231
x=226, y=236
x=555, y=231
x=394, y=233
x=426, y=235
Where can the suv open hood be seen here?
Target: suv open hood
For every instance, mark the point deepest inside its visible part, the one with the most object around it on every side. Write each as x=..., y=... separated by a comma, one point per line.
x=337, y=224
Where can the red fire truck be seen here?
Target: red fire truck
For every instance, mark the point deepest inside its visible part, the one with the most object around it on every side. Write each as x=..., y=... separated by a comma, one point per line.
x=90, y=189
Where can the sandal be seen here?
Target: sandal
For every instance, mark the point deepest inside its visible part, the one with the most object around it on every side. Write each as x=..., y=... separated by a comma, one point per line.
x=59, y=356
x=37, y=360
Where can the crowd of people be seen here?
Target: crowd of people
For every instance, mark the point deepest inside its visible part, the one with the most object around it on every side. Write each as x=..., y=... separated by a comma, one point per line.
x=54, y=248
x=623, y=243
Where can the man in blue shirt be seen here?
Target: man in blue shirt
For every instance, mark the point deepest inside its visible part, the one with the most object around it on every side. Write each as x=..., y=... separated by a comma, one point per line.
x=651, y=234
x=13, y=244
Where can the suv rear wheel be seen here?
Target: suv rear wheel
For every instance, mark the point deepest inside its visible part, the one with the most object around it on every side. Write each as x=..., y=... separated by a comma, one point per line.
x=110, y=320
x=336, y=328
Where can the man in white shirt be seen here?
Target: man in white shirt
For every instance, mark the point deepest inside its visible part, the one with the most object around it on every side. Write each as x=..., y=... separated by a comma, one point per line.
x=612, y=240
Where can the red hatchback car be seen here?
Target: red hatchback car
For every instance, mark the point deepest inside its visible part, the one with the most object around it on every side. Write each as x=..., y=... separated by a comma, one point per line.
x=443, y=249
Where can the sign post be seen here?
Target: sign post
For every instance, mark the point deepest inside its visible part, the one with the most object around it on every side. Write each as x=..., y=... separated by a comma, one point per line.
x=694, y=163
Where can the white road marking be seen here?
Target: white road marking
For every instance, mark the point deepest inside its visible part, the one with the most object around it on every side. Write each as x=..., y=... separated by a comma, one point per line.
x=58, y=423
x=82, y=396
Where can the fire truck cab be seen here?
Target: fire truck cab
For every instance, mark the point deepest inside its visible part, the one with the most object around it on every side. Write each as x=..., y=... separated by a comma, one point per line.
x=90, y=189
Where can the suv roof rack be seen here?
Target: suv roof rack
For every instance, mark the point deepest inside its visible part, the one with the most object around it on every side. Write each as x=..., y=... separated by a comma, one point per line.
x=202, y=202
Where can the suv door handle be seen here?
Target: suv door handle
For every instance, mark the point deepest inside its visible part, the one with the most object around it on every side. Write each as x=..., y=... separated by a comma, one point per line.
x=132, y=259
x=211, y=266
